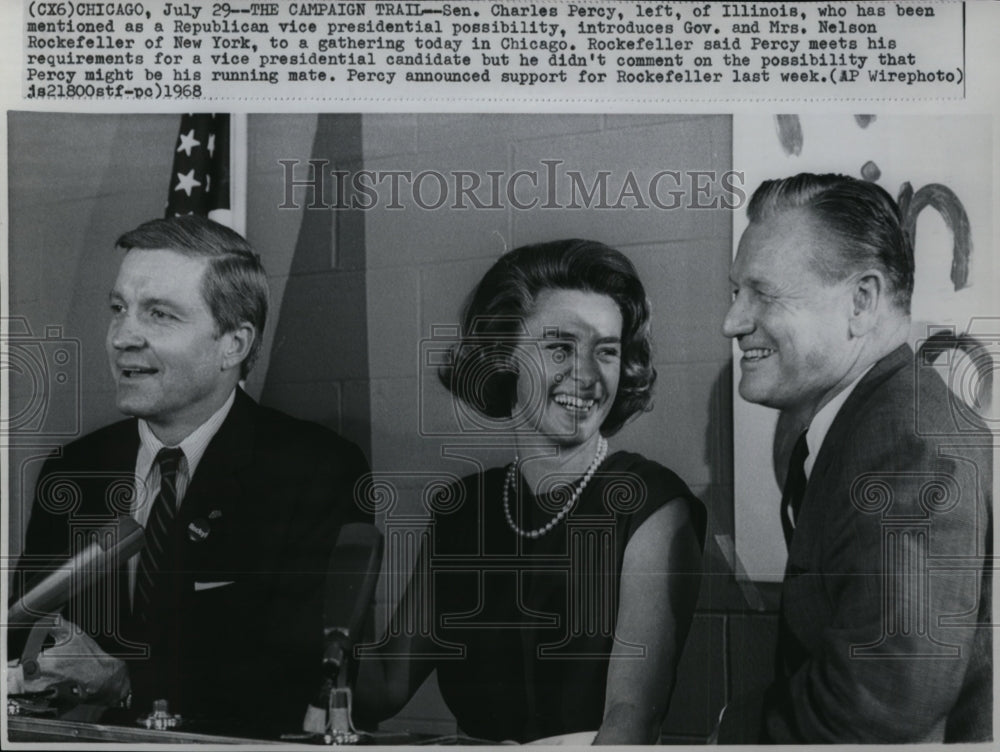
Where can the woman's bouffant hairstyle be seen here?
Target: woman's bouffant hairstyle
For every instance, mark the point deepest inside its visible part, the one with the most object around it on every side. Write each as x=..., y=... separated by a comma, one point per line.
x=494, y=314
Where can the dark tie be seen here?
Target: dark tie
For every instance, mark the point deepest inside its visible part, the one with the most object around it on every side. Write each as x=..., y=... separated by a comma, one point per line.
x=795, y=487
x=158, y=527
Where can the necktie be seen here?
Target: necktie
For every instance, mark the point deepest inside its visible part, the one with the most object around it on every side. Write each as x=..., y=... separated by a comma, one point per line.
x=795, y=487
x=158, y=530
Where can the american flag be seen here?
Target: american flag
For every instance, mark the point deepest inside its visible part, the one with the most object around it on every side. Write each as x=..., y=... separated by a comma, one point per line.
x=199, y=179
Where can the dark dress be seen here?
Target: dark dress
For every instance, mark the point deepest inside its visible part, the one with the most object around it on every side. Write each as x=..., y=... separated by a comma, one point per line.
x=536, y=617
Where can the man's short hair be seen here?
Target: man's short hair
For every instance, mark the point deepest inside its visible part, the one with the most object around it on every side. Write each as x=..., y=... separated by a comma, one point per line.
x=235, y=285
x=861, y=214
x=494, y=313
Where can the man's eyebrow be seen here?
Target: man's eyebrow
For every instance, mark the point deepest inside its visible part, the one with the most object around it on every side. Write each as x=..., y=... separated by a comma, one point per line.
x=161, y=302
x=754, y=283
x=150, y=302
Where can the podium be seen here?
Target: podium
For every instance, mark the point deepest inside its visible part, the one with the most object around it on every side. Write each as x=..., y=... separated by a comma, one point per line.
x=25, y=729
x=47, y=730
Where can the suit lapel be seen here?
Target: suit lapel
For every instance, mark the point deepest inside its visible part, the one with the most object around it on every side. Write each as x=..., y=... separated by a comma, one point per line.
x=124, y=452
x=805, y=601
x=219, y=497
x=829, y=453
x=113, y=462
x=846, y=418
x=219, y=480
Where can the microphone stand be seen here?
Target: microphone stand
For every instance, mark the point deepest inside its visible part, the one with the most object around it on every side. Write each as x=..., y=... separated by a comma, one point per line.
x=335, y=696
x=352, y=573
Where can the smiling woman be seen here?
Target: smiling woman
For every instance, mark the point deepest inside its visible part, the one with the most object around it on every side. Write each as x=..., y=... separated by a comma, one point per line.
x=574, y=337
x=568, y=578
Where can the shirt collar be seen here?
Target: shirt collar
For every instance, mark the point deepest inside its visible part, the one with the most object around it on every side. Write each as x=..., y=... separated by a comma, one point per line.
x=821, y=422
x=193, y=445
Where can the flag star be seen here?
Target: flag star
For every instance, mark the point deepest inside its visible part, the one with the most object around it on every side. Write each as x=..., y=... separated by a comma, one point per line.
x=186, y=182
x=211, y=144
x=188, y=142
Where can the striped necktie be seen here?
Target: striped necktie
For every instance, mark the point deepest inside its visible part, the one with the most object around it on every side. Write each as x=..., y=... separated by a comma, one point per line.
x=795, y=488
x=158, y=531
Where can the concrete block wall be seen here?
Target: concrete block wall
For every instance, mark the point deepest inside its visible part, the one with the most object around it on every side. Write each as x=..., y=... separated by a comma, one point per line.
x=76, y=182
x=354, y=293
x=422, y=263
x=74, y=185
x=317, y=344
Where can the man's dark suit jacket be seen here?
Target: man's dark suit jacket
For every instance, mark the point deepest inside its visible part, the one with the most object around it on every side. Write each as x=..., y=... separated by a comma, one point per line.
x=885, y=580
x=271, y=493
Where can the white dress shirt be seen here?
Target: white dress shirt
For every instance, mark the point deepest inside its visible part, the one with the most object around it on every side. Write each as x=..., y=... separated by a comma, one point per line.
x=147, y=472
x=821, y=422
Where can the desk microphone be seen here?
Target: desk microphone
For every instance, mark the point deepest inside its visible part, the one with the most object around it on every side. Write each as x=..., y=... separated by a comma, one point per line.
x=351, y=576
x=110, y=547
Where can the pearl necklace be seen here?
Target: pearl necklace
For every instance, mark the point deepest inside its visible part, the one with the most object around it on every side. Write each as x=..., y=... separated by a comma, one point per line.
x=511, y=478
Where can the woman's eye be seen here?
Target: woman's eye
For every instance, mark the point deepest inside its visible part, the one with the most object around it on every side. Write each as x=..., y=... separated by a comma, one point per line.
x=559, y=352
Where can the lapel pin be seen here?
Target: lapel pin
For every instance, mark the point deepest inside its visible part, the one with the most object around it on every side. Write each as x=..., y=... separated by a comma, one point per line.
x=198, y=530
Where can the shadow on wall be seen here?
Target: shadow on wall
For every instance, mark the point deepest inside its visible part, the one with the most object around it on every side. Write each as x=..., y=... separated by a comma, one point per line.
x=319, y=360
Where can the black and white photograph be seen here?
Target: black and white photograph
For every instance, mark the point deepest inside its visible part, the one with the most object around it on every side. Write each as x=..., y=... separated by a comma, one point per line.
x=402, y=420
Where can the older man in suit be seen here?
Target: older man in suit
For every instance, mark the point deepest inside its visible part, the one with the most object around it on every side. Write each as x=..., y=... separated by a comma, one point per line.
x=221, y=612
x=885, y=606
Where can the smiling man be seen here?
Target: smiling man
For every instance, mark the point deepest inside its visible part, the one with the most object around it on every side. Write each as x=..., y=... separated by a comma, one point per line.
x=221, y=613
x=884, y=625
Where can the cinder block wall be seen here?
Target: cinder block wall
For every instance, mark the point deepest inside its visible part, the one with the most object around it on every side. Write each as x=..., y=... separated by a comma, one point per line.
x=76, y=182
x=422, y=263
x=355, y=292
x=74, y=185
x=317, y=342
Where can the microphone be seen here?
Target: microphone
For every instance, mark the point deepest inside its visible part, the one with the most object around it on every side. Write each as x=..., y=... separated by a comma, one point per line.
x=352, y=574
x=110, y=547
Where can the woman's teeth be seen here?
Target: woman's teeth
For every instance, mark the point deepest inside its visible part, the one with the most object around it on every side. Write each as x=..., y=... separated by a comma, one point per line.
x=574, y=403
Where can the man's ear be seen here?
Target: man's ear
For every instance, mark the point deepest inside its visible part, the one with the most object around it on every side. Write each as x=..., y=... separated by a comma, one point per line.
x=867, y=300
x=237, y=344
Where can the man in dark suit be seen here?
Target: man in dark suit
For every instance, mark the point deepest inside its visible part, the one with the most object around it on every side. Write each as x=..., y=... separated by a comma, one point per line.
x=221, y=613
x=885, y=608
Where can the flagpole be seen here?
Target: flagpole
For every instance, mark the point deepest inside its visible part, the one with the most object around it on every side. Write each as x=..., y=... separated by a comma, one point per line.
x=238, y=158
x=238, y=172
